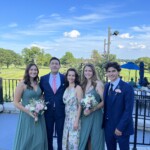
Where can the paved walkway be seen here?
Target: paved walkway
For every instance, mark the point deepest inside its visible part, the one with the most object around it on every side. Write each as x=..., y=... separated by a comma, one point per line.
x=8, y=123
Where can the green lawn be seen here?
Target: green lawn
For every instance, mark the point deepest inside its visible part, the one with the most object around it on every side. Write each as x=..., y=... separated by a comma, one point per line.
x=125, y=74
x=17, y=73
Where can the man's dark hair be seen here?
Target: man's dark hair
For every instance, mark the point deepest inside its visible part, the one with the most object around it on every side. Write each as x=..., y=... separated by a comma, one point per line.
x=114, y=65
x=54, y=58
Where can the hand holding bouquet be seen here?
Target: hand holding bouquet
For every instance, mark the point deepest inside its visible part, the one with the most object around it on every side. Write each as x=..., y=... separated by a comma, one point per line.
x=36, y=107
x=88, y=102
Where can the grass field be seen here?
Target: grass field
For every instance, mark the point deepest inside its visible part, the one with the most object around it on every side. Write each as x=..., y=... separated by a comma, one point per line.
x=127, y=75
x=17, y=73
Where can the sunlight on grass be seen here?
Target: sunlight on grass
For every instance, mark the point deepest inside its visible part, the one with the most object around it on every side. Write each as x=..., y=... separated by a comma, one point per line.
x=17, y=73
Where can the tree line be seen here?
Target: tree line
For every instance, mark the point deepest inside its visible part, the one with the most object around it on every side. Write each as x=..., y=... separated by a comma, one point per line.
x=38, y=56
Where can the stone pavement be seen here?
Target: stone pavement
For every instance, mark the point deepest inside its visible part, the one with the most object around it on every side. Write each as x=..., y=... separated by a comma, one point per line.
x=8, y=123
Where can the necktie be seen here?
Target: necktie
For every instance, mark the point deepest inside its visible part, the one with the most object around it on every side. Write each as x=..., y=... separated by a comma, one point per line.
x=54, y=87
x=111, y=87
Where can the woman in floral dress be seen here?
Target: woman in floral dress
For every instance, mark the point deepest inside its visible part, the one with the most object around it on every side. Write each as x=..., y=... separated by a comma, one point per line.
x=71, y=98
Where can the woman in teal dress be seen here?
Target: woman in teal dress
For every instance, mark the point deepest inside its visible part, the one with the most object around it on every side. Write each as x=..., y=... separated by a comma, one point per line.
x=92, y=134
x=29, y=135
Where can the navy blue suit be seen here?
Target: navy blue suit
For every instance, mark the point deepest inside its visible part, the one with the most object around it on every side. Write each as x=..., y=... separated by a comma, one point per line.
x=118, y=109
x=54, y=114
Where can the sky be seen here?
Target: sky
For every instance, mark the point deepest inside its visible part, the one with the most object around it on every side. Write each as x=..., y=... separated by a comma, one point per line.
x=77, y=26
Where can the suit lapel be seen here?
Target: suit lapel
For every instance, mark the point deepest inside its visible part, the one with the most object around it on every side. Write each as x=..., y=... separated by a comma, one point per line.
x=48, y=84
x=106, y=91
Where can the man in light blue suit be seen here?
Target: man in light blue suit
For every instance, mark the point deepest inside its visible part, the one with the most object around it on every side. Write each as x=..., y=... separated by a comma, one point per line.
x=53, y=86
x=118, y=107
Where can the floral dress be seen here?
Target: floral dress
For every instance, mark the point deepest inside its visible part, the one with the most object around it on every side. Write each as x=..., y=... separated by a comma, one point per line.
x=70, y=136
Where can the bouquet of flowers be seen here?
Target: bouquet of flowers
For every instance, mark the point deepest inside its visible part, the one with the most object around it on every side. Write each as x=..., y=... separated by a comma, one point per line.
x=37, y=107
x=88, y=102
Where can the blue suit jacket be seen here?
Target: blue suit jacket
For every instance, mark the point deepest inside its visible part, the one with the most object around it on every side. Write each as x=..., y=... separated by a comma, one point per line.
x=52, y=98
x=120, y=113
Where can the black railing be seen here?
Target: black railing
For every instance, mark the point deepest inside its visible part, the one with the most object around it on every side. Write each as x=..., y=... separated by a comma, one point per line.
x=1, y=91
x=8, y=88
x=141, y=115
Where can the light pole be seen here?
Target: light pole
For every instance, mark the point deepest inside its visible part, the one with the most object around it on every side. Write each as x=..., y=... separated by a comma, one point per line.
x=109, y=42
x=105, y=47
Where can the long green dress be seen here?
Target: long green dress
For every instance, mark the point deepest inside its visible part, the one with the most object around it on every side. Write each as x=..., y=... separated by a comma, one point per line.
x=91, y=127
x=30, y=135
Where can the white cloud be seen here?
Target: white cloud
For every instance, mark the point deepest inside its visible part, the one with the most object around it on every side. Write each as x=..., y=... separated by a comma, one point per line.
x=89, y=17
x=55, y=15
x=40, y=17
x=136, y=45
x=13, y=25
x=126, y=36
x=120, y=46
x=141, y=28
x=10, y=36
x=72, y=34
x=72, y=9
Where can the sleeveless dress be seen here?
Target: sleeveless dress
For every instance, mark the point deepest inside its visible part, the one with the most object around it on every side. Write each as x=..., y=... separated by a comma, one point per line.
x=30, y=135
x=91, y=127
x=70, y=136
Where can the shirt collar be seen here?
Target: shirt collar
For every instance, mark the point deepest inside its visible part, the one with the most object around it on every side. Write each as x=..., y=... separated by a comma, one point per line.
x=57, y=74
x=115, y=83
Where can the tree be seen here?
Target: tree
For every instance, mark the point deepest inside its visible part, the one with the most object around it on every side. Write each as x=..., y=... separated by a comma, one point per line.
x=2, y=56
x=9, y=57
x=18, y=61
x=96, y=57
x=47, y=58
x=100, y=61
x=32, y=54
x=40, y=58
x=68, y=59
x=146, y=61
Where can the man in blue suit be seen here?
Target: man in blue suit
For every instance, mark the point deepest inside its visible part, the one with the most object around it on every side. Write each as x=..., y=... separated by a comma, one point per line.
x=118, y=107
x=53, y=86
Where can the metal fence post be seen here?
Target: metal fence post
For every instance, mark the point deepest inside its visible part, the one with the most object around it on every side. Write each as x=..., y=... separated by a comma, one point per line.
x=136, y=124
x=1, y=91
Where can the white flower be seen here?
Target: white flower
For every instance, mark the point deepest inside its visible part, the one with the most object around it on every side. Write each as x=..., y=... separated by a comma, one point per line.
x=37, y=107
x=117, y=90
x=32, y=108
x=88, y=102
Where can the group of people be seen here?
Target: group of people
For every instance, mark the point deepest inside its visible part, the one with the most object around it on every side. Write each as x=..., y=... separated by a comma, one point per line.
x=109, y=121
x=144, y=83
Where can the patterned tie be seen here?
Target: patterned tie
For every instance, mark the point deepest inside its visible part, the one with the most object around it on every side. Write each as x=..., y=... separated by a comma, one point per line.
x=54, y=87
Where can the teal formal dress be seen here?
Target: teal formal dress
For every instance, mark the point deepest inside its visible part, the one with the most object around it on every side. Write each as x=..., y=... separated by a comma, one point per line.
x=91, y=127
x=30, y=135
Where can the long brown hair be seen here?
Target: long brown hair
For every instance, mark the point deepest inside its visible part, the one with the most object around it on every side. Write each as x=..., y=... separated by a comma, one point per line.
x=77, y=82
x=27, y=77
x=93, y=79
